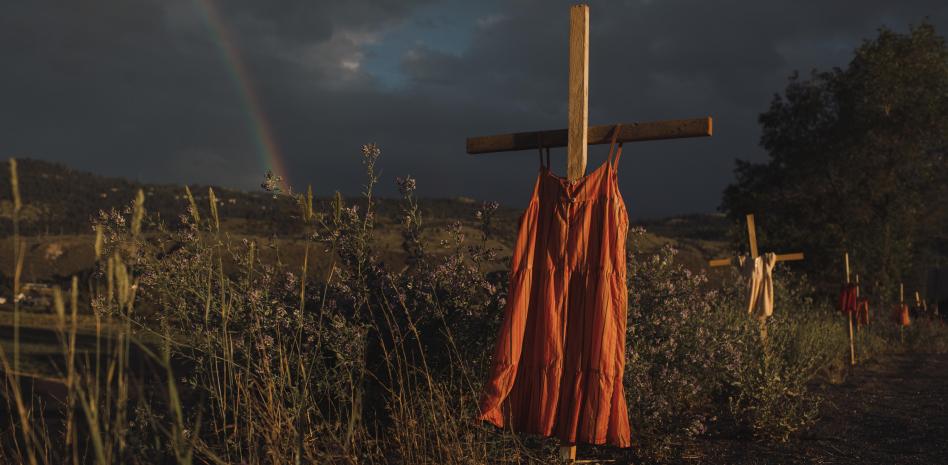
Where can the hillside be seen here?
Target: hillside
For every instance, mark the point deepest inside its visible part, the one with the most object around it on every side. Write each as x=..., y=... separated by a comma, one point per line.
x=62, y=200
x=59, y=203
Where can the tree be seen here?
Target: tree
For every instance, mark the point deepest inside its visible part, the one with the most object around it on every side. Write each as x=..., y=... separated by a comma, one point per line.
x=857, y=162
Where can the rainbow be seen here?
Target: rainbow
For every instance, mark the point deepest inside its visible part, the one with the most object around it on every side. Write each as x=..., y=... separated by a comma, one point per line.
x=267, y=147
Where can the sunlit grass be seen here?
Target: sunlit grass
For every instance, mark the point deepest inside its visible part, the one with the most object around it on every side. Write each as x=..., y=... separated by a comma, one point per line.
x=194, y=345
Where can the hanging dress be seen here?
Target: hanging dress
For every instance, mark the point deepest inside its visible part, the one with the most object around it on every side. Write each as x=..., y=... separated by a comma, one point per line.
x=847, y=299
x=901, y=315
x=758, y=273
x=560, y=352
x=862, y=311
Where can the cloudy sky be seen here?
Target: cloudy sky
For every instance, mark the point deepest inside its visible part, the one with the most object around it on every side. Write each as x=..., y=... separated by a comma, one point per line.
x=217, y=91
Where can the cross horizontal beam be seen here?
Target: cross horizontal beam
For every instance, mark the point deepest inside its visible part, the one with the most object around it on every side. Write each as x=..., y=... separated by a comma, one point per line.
x=787, y=257
x=628, y=132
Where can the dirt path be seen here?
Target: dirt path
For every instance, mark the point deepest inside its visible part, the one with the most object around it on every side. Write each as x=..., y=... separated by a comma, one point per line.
x=893, y=410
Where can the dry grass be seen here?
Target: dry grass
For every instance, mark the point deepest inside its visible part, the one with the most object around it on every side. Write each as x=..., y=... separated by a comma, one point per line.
x=199, y=346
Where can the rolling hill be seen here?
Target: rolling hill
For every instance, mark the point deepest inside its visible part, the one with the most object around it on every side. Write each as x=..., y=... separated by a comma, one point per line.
x=60, y=203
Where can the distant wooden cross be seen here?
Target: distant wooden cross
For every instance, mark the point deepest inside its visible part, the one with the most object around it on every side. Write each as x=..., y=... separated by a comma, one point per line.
x=901, y=304
x=752, y=237
x=852, y=340
x=921, y=303
x=857, y=299
x=579, y=135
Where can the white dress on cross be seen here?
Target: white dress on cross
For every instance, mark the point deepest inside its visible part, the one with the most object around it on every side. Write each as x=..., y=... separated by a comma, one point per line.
x=758, y=274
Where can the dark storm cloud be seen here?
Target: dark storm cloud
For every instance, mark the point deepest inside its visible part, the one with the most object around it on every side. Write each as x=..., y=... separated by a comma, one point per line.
x=654, y=60
x=140, y=88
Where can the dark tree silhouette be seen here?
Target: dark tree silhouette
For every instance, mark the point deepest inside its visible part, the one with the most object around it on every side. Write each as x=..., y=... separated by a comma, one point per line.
x=858, y=163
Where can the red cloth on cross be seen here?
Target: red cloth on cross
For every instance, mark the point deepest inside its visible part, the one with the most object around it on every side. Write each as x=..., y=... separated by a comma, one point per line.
x=900, y=315
x=847, y=299
x=862, y=311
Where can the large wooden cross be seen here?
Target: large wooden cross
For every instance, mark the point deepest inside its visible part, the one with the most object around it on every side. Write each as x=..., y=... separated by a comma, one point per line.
x=752, y=237
x=579, y=135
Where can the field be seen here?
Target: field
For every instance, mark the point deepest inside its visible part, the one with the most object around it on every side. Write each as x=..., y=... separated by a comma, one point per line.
x=360, y=330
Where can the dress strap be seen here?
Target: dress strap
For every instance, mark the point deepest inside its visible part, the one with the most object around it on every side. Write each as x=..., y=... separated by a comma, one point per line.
x=613, y=153
x=540, y=150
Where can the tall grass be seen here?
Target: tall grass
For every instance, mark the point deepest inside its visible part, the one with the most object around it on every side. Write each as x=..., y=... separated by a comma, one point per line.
x=206, y=348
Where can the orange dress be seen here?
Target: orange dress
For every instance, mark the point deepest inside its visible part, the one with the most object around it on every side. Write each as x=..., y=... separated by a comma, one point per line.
x=901, y=316
x=560, y=353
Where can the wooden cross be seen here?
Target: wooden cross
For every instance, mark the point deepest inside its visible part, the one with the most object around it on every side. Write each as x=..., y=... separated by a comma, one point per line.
x=901, y=302
x=579, y=135
x=852, y=340
x=857, y=300
x=920, y=303
x=752, y=237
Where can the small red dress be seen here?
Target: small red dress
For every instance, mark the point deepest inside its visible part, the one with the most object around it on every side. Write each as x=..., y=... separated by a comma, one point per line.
x=862, y=311
x=901, y=316
x=847, y=299
x=560, y=352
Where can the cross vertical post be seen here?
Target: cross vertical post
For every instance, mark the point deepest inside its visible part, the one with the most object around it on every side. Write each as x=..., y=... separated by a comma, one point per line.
x=578, y=113
x=856, y=327
x=901, y=302
x=918, y=301
x=846, y=259
x=578, y=118
x=852, y=342
x=752, y=234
